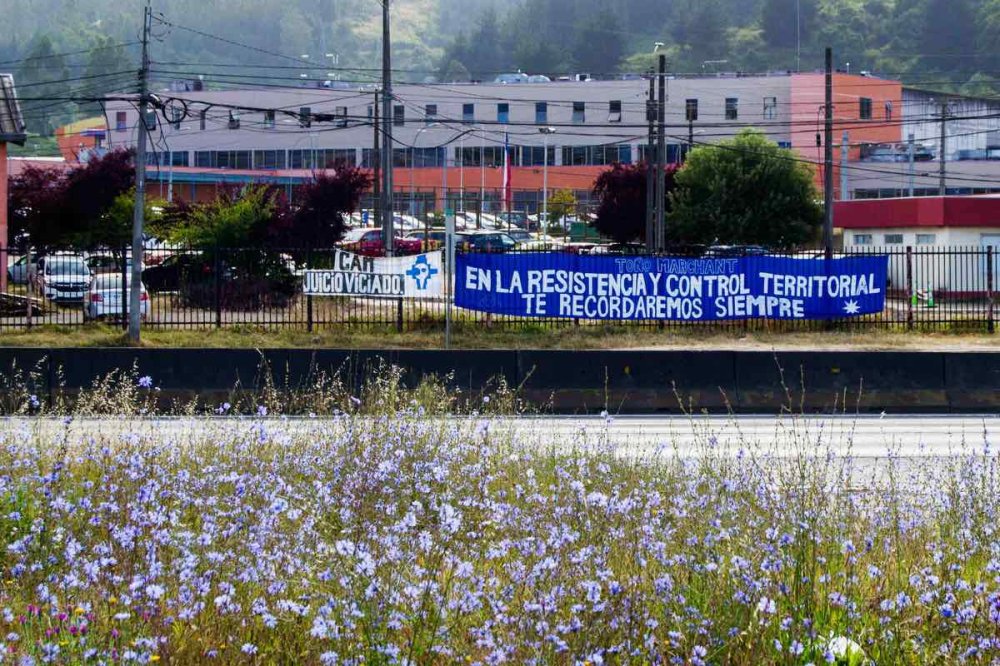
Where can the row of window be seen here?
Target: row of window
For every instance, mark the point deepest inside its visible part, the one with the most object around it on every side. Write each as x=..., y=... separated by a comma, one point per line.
x=340, y=116
x=324, y=158
x=469, y=156
x=893, y=239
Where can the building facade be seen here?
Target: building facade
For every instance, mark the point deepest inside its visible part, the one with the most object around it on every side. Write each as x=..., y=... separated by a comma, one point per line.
x=452, y=136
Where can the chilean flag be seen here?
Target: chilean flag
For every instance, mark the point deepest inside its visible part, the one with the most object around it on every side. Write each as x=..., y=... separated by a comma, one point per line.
x=507, y=194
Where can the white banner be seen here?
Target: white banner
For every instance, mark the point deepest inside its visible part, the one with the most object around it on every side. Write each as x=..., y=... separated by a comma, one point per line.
x=417, y=276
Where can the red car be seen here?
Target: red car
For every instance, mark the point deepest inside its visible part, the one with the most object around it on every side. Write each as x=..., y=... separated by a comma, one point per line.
x=369, y=242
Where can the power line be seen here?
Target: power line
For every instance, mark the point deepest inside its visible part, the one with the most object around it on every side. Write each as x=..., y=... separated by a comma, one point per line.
x=69, y=53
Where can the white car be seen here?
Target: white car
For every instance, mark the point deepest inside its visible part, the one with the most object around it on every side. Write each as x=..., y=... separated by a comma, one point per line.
x=105, y=299
x=19, y=270
x=63, y=277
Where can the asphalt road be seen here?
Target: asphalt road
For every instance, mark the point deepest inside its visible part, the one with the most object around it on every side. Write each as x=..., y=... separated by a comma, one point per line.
x=864, y=438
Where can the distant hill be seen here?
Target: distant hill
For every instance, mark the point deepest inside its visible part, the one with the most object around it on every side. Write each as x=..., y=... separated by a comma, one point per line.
x=950, y=44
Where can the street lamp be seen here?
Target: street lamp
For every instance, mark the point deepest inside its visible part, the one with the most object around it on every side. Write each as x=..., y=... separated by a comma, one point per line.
x=413, y=162
x=545, y=131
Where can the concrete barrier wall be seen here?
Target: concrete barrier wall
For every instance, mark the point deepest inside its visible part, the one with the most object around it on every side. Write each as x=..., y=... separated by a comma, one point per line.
x=565, y=381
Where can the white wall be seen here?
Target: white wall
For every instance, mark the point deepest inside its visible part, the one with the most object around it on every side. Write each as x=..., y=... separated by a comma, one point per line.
x=955, y=261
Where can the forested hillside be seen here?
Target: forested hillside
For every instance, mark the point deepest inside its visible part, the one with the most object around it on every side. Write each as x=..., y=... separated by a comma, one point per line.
x=952, y=43
x=939, y=43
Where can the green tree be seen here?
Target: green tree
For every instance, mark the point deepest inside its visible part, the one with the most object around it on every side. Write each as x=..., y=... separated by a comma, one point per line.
x=948, y=29
x=599, y=44
x=779, y=24
x=561, y=204
x=239, y=218
x=745, y=190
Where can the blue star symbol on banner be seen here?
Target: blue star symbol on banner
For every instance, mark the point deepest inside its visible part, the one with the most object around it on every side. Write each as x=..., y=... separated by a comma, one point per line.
x=421, y=271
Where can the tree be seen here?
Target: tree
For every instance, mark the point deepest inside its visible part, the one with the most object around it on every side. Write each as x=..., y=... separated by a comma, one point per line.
x=778, y=20
x=621, y=213
x=745, y=190
x=238, y=218
x=599, y=44
x=561, y=204
x=70, y=209
x=948, y=27
x=320, y=217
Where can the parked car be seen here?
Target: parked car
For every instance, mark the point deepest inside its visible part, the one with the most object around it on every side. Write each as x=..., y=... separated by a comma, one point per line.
x=105, y=299
x=370, y=243
x=175, y=269
x=105, y=262
x=619, y=249
x=20, y=269
x=735, y=251
x=485, y=241
x=63, y=277
x=435, y=238
x=527, y=240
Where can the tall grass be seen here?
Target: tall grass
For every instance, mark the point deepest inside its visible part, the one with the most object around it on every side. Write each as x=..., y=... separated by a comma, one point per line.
x=380, y=533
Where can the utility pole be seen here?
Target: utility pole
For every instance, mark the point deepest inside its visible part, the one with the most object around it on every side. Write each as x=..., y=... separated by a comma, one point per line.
x=661, y=154
x=376, y=165
x=910, y=149
x=135, y=292
x=845, y=147
x=387, y=221
x=828, y=159
x=942, y=172
x=650, y=162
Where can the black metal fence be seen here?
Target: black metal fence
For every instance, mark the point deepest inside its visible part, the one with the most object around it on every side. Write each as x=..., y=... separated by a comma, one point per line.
x=929, y=288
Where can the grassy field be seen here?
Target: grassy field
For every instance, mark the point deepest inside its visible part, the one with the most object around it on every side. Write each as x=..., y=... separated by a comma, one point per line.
x=482, y=337
x=388, y=537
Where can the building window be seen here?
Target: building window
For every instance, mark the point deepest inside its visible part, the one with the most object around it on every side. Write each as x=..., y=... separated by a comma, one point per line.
x=269, y=159
x=615, y=111
x=305, y=117
x=234, y=119
x=121, y=121
x=398, y=115
x=597, y=155
x=341, y=113
x=222, y=159
x=503, y=113
x=926, y=239
x=888, y=110
x=541, y=112
x=535, y=155
x=732, y=108
x=579, y=112
x=691, y=110
x=894, y=239
x=468, y=113
x=866, y=108
x=430, y=113
x=863, y=239
x=770, y=108
x=269, y=119
x=322, y=158
x=203, y=119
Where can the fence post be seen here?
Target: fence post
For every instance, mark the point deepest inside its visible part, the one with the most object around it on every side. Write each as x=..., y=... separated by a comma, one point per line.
x=218, y=289
x=990, y=326
x=911, y=295
x=125, y=301
x=32, y=276
x=309, y=298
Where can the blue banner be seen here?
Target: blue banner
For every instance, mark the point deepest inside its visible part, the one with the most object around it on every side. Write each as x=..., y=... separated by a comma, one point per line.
x=553, y=284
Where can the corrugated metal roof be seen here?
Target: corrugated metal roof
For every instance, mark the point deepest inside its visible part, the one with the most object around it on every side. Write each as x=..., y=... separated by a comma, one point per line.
x=12, y=128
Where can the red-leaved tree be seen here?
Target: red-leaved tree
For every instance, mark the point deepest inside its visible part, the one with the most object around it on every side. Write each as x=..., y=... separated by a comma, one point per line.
x=70, y=208
x=621, y=190
x=321, y=206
